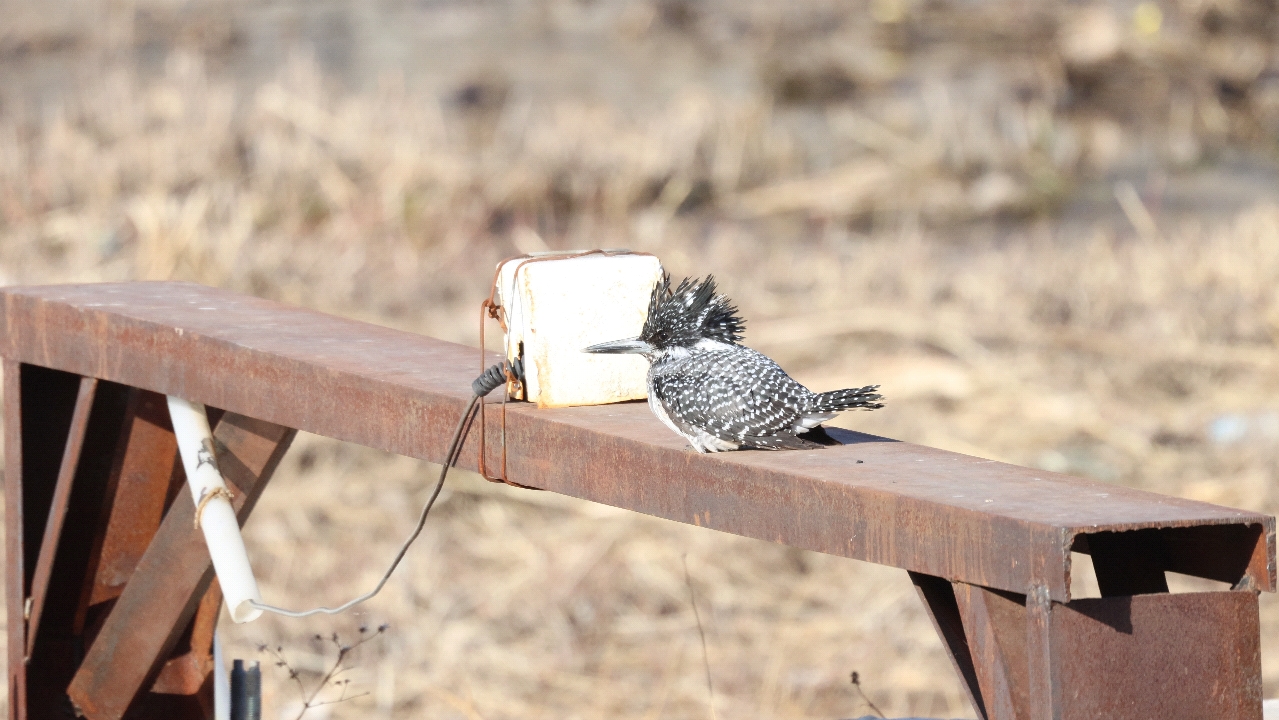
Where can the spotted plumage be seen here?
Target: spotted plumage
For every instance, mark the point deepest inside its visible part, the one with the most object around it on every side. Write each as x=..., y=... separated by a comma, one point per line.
x=715, y=392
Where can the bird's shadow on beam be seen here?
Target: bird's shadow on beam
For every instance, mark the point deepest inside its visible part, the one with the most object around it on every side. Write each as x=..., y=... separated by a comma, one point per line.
x=839, y=436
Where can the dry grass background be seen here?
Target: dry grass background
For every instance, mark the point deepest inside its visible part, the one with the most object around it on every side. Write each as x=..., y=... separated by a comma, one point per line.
x=1012, y=215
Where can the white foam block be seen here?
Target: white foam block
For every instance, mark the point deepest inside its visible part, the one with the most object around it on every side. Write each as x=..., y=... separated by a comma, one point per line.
x=556, y=307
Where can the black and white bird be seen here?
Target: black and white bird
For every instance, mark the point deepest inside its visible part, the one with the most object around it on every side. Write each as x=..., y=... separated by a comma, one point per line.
x=717, y=393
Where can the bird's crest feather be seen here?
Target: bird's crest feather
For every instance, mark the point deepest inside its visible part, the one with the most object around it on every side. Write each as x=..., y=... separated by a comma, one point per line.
x=694, y=311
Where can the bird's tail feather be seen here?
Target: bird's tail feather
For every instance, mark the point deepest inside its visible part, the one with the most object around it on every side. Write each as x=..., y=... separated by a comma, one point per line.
x=864, y=397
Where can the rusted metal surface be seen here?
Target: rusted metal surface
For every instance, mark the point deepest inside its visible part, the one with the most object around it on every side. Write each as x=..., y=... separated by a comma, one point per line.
x=168, y=585
x=68, y=431
x=35, y=441
x=995, y=624
x=146, y=475
x=939, y=600
x=58, y=508
x=185, y=672
x=1137, y=657
x=55, y=647
x=926, y=510
x=1162, y=656
x=15, y=591
x=1042, y=671
x=988, y=544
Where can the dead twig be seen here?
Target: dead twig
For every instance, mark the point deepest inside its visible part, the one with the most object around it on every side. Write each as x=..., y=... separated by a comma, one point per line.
x=706, y=662
x=309, y=698
x=857, y=683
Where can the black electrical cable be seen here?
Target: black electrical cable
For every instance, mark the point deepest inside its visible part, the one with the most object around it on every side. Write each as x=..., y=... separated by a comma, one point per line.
x=487, y=382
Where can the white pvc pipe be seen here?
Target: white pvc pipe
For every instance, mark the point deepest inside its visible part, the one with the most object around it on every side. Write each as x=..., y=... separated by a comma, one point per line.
x=221, y=683
x=214, y=513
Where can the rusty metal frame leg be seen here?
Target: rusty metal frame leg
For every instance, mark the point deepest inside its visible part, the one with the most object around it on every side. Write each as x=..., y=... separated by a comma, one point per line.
x=15, y=676
x=58, y=509
x=39, y=406
x=995, y=623
x=939, y=600
x=984, y=632
x=170, y=584
x=1042, y=658
x=1025, y=657
x=55, y=646
x=36, y=465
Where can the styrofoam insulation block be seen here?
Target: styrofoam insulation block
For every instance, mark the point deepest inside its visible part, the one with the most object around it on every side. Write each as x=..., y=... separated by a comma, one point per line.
x=556, y=307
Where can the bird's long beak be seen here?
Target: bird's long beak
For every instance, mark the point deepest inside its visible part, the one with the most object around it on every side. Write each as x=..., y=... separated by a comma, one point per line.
x=617, y=347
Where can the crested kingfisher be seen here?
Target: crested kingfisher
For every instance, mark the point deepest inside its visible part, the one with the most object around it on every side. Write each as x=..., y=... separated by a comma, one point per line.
x=715, y=392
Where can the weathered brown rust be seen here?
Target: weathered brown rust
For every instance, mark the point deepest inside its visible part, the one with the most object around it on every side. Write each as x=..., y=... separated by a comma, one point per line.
x=15, y=590
x=939, y=600
x=186, y=671
x=1123, y=658
x=995, y=624
x=929, y=511
x=1042, y=671
x=143, y=477
x=171, y=579
x=988, y=544
x=1196, y=655
x=45, y=422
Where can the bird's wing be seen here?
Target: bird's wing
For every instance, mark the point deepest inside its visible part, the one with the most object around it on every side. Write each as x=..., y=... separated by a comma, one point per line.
x=732, y=395
x=665, y=391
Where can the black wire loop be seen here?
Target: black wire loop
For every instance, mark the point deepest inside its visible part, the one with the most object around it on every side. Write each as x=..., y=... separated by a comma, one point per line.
x=487, y=382
x=495, y=376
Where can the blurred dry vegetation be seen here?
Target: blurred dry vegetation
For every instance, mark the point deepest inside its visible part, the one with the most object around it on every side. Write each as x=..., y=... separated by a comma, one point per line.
x=1049, y=230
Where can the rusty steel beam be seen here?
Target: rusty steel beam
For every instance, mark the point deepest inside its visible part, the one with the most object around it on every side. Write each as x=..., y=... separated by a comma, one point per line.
x=146, y=477
x=1044, y=688
x=929, y=511
x=988, y=544
x=170, y=581
x=190, y=663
